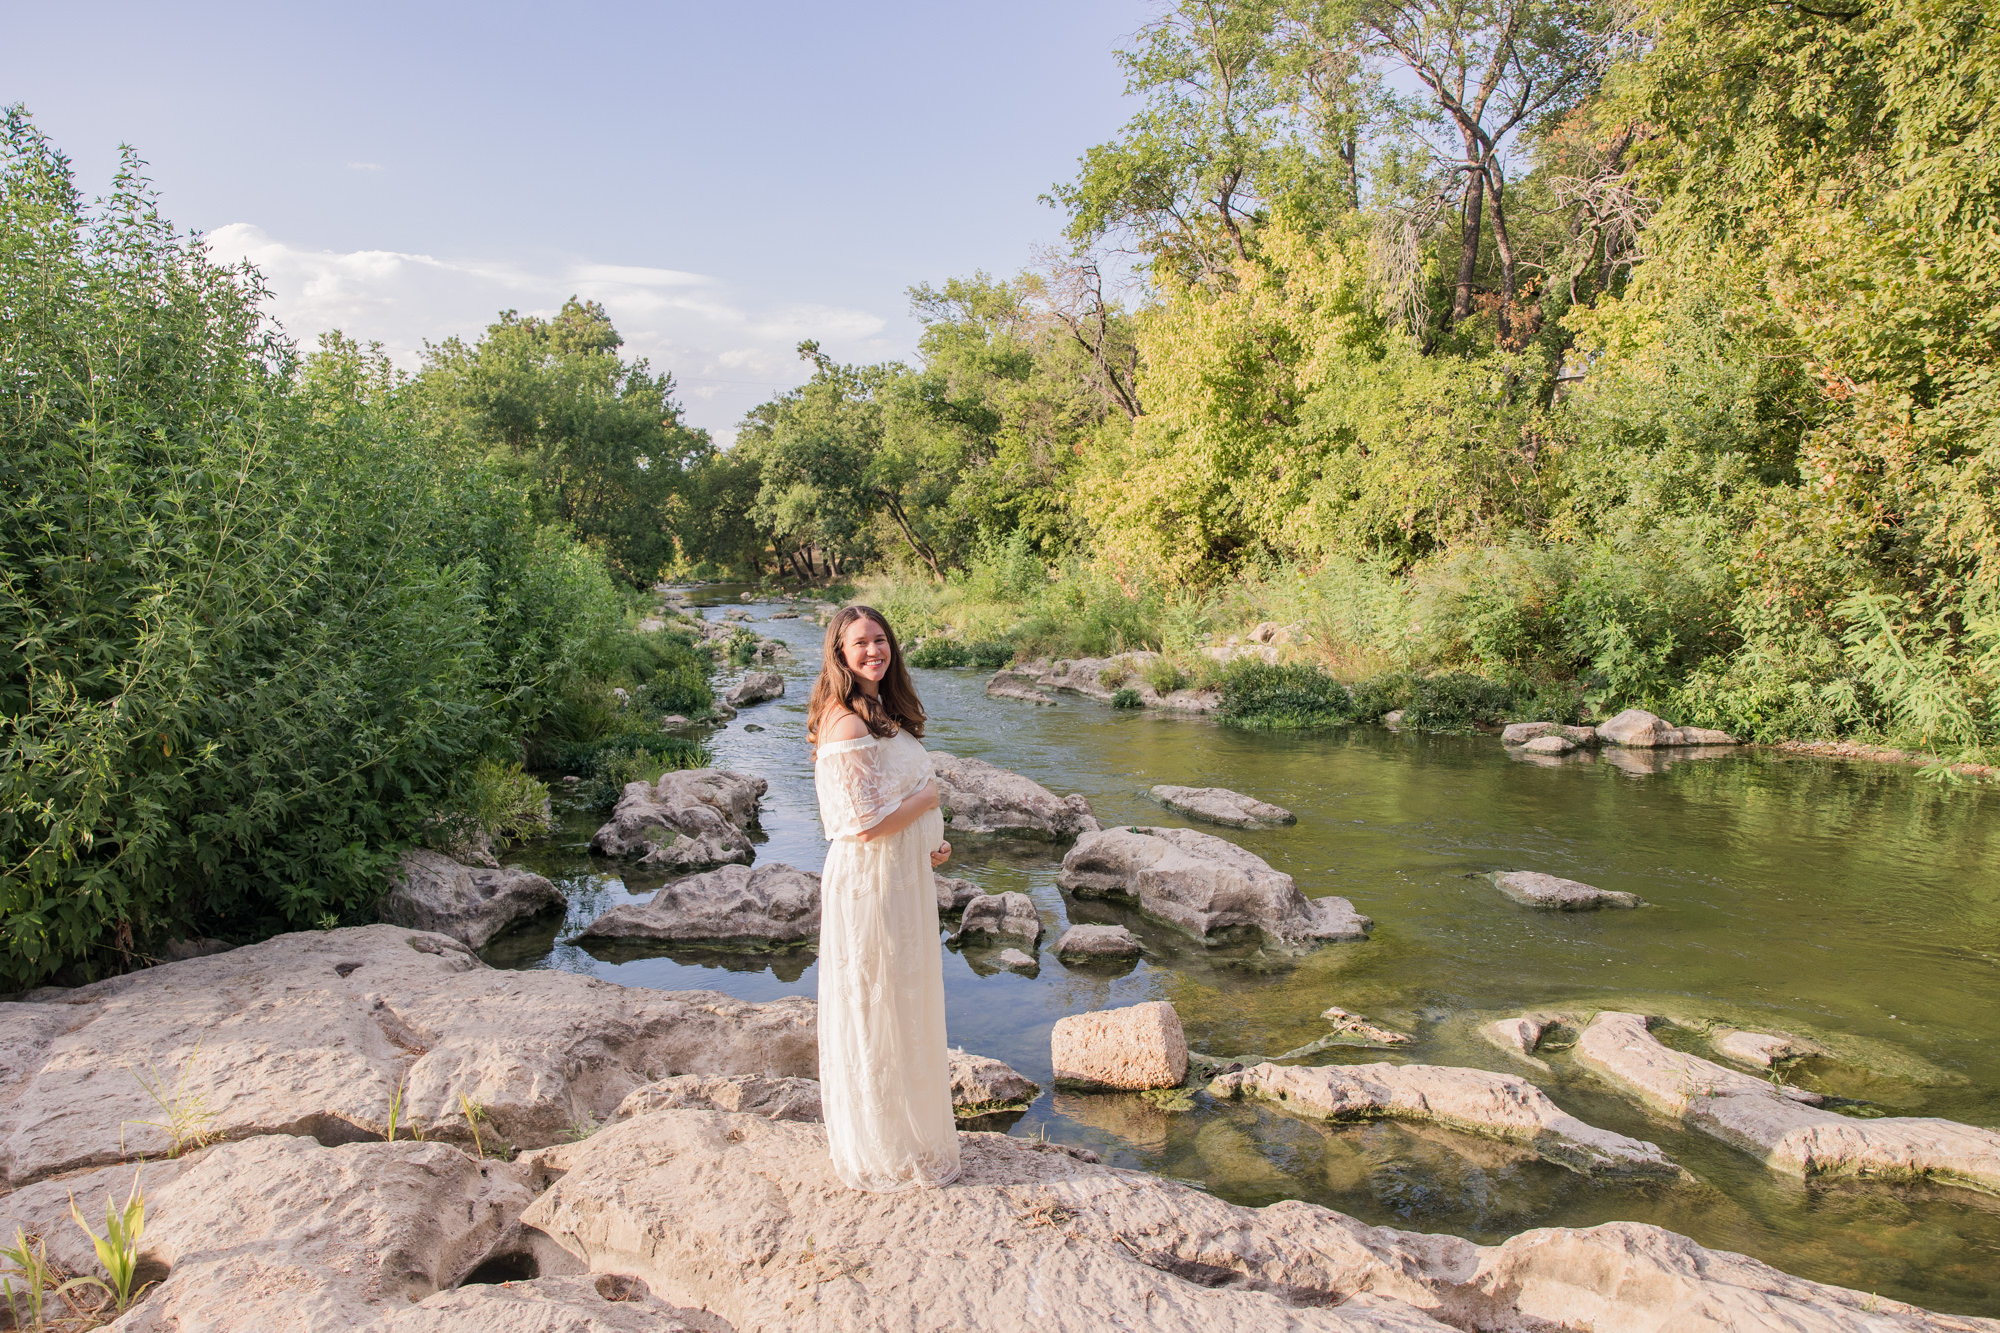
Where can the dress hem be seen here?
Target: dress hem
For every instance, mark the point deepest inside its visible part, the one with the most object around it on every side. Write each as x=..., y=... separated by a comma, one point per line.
x=903, y=1187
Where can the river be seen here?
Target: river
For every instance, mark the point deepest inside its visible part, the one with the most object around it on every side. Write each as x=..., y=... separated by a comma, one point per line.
x=1859, y=903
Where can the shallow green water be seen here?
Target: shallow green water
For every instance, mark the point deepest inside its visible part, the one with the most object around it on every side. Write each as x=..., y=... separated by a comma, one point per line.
x=1853, y=902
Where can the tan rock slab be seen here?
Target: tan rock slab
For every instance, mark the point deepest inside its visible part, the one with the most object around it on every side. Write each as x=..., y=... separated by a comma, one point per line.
x=771, y=904
x=430, y=891
x=1219, y=805
x=983, y=798
x=600, y=1303
x=751, y=1094
x=1786, y=1127
x=1140, y=1046
x=1087, y=942
x=314, y=1032
x=981, y=1084
x=688, y=820
x=1010, y=914
x=1531, y=888
x=1475, y=1101
x=743, y=1217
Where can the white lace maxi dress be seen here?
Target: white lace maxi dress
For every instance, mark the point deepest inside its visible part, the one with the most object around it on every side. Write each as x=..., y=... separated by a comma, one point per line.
x=885, y=1080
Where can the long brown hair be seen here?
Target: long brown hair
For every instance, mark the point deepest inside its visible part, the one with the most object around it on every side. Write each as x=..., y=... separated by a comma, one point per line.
x=898, y=709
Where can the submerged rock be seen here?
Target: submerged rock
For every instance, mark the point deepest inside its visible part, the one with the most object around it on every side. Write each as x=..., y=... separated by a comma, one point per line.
x=772, y=904
x=1219, y=805
x=688, y=820
x=981, y=1085
x=1140, y=1046
x=1000, y=914
x=755, y=688
x=752, y=1094
x=431, y=891
x=1476, y=1101
x=1087, y=942
x=1784, y=1126
x=319, y=1032
x=1520, y=1036
x=984, y=799
x=1203, y=884
x=1354, y=1025
x=1016, y=961
x=1550, y=745
x=1534, y=889
x=1764, y=1049
x=744, y=1218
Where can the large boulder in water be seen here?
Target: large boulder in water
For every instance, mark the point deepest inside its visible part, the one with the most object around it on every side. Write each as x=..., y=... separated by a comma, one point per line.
x=773, y=904
x=688, y=820
x=1203, y=884
x=1637, y=729
x=1000, y=914
x=1139, y=1046
x=1531, y=888
x=983, y=798
x=430, y=891
x=755, y=688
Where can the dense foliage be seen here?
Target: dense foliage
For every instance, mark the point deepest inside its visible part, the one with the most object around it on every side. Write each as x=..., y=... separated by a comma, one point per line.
x=260, y=626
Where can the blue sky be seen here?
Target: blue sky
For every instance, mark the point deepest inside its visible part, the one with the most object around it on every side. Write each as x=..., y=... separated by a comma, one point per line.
x=727, y=179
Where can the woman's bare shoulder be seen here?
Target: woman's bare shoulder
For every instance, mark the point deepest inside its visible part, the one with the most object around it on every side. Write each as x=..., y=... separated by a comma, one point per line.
x=842, y=725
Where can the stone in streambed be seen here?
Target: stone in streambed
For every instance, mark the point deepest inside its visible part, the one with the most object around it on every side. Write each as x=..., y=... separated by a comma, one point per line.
x=1083, y=943
x=430, y=891
x=1219, y=805
x=772, y=904
x=1534, y=889
x=1520, y=1035
x=1784, y=1126
x=1005, y=684
x=984, y=799
x=1354, y=1025
x=755, y=688
x=1202, y=884
x=1140, y=1046
x=981, y=1085
x=1764, y=1049
x=690, y=819
x=1475, y=1101
x=1637, y=729
x=954, y=894
x=1520, y=733
x=1550, y=745
x=745, y=1219
x=1000, y=914
x=315, y=1032
x=1016, y=961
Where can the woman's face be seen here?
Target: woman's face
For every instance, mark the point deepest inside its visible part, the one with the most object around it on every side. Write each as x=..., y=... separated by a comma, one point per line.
x=865, y=647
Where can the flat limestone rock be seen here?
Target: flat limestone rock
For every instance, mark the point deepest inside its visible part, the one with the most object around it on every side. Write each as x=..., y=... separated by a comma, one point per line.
x=1219, y=805
x=986, y=799
x=1519, y=1036
x=1202, y=884
x=755, y=688
x=314, y=1032
x=1000, y=914
x=1784, y=1126
x=1005, y=684
x=1550, y=745
x=1086, y=942
x=1016, y=961
x=1137, y=1047
x=282, y=1233
x=1090, y=677
x=1354, y=1025
x=1475, y=1101
x=772, y=904
x=1520, y=733
x=744, y=1218
x=430, y=891
x=954, y=894
x=600, y=1303
x=981, y=1085
x=690, y=819
x=1534, y=889
x=752, y=1094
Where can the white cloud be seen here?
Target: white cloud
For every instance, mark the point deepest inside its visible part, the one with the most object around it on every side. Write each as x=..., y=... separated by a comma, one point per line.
x=727, y=349
x=364, y=166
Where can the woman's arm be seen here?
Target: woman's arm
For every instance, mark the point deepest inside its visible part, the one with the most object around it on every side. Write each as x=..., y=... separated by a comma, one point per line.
x=913, y=808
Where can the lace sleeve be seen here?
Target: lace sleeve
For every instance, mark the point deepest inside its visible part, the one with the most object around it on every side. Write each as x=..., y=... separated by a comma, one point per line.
x=854, y=793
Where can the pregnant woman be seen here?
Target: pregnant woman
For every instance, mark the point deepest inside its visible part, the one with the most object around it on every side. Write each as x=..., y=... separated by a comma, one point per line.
x=885, y=1079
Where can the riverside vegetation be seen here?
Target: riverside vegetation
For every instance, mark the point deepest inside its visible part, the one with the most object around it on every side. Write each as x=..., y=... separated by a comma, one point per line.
x=1532, y=357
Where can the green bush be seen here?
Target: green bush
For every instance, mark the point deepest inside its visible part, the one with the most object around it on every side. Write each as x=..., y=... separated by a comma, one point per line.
x=1126, y=698
x=257, y=624
x=1264, y=697
x=938, y=651
x=1165, y=676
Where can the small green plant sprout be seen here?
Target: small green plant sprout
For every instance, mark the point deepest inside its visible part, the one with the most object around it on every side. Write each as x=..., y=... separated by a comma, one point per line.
x=396, y=1110
x=474, y=1113
x=328, y=921
x=118, y=1248
x=29, y=1261
x=185, y=1117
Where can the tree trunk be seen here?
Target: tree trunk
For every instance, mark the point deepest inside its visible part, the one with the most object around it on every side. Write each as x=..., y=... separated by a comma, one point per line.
x=1505, y=246
x=1468, y=244
x=918, y=545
